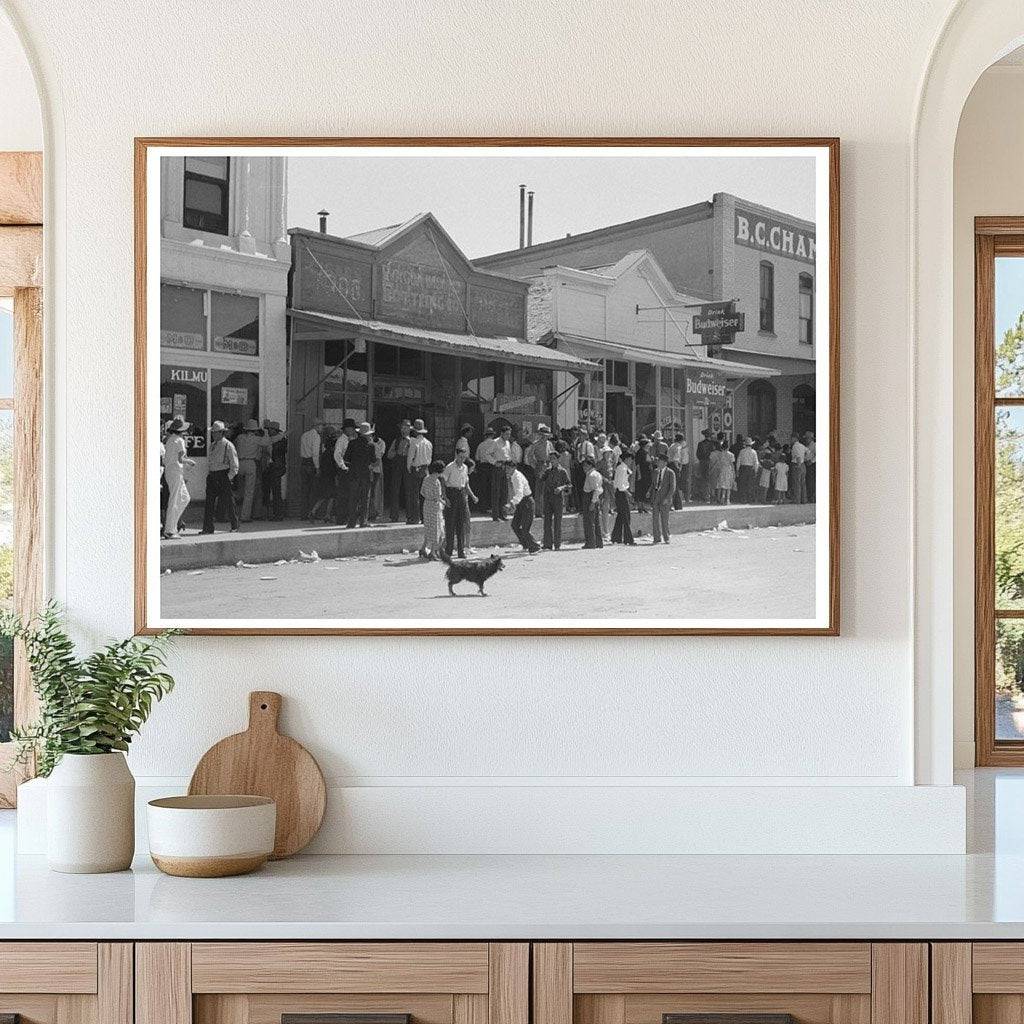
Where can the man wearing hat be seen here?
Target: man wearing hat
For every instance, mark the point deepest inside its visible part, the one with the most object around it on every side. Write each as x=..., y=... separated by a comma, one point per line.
x=486, y=454
x=249, y=445
x=397, y=453
x=554, y=485
x=417, y=462
x=662, y=489
x=536, y=460
x=359, y=458
x=704, y=450
x=747, y=467
x=309, y=464
x=275, y=462
x=342, y=475
x=221, y=468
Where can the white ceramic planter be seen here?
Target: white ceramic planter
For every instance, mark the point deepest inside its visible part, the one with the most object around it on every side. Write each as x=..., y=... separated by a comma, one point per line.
x=90, y=814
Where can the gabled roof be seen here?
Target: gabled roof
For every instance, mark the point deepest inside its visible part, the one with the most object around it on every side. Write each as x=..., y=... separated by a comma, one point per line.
x=381, y=236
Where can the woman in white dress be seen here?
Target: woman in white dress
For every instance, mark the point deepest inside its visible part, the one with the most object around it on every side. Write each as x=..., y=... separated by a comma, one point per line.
x=175, y=460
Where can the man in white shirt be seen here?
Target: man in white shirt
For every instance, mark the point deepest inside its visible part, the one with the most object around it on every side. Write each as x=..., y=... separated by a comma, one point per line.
x=679, y=460
x=622, y=533
x=455, y=478
x=593, y=488
x=811, y=461
x=520, y=497
x=502, y=455
x=797, y=471
x=418, y=459
x=309, y=465
x=485, y=470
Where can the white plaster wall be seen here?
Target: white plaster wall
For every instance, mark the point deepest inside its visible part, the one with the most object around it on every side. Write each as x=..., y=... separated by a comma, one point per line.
x=988, y=180
x=401, y=712
x=21, y=123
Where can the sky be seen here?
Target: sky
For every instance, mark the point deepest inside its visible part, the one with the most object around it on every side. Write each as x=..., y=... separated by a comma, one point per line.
x=1009, y=293
x=476, y=196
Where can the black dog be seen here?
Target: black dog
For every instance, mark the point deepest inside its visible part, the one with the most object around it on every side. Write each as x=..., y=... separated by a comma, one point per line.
x=475, y=570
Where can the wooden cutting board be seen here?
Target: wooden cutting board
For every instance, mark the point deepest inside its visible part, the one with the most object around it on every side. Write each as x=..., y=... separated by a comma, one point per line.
x=262, y=762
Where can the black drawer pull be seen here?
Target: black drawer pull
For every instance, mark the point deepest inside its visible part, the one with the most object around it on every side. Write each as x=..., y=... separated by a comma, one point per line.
x=728, y=1018
x=339, y=1018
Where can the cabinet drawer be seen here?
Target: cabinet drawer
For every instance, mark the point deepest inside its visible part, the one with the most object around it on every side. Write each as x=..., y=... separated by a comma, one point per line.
x=262, y=982
x=635, y=967
x=749, y=982
x=340, y=967
x=48, y=967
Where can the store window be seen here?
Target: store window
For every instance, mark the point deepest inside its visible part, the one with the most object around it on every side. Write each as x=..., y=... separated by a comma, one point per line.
x=207, y=190
x=234, y=396
x=182, y=318
x=616, y=373
x=646, y=398
x=537, y=383
x=392, y=361
x=767, y=303
x=235, y=324
x=346, y=384
x=673, y=397
x=761, y=408
x=184, y=393
x=806, y=309
x=591, y=400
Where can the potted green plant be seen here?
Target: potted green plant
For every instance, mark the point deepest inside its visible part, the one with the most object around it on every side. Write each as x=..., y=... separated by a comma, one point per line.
x=89, y=710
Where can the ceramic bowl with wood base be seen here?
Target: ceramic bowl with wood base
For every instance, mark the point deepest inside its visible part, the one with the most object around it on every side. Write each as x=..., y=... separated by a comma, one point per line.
x=211, y=836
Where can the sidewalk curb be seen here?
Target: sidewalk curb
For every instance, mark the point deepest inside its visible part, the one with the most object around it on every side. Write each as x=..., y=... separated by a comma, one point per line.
x=204, y=552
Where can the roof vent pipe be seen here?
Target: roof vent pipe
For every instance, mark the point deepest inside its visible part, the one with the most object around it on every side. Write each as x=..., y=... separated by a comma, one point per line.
x=323, y=215
x=522, y=216
x=529, y=218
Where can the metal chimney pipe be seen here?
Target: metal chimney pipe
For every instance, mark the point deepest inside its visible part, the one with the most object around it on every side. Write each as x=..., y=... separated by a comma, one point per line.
x=529, y=218
x=522, y=216
x=323, y=215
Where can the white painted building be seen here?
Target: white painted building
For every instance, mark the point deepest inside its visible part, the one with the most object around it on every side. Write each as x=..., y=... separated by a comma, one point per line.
x=224, y=284
x=655, y=374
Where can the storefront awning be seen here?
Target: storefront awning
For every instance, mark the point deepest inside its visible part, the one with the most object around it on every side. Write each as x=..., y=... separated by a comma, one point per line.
x=507, y=350
x=598, y=348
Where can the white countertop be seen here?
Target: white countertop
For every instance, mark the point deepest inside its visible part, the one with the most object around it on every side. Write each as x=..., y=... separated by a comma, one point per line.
x=532, y=897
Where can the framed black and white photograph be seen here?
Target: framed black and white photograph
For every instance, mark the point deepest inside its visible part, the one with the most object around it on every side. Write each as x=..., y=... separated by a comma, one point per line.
x=487, y=386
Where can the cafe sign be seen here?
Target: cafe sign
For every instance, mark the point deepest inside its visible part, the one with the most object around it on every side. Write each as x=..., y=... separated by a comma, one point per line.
x=770, y=235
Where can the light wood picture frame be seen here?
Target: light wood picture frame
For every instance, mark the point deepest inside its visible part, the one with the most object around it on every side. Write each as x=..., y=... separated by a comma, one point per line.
x=211, y=198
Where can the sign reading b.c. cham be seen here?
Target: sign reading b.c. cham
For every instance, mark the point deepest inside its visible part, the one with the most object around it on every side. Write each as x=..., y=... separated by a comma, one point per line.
x=759, y=232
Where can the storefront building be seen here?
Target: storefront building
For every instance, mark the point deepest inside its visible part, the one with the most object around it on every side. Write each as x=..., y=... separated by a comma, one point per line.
x=725, y=249
x=223, y=290
x=653, y=373
x=397, y=324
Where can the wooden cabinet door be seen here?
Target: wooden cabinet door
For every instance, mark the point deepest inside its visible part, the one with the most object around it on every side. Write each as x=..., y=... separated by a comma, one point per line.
x=748, y=982
x=264, y=982
x=977, y=983
x=66, y=982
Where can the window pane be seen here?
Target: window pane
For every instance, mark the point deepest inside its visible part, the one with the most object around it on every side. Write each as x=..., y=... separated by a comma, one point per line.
x=6, y=352
x=182, y=320
x=210, y=166
x=234, y=396
x=6, y=568
x=1009, y=325
x=1009, y=679
x=183, y=393
x=1009, y=512
x=236, y=324
x=645, y=394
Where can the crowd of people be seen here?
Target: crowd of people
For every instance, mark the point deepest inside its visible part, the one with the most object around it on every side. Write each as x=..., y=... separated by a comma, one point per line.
x=245, y=468
x=352, y=477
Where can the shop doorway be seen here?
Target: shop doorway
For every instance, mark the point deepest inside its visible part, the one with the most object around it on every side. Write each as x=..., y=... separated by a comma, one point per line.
x=619, y=414
x=803, y=409
x=388, y=415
